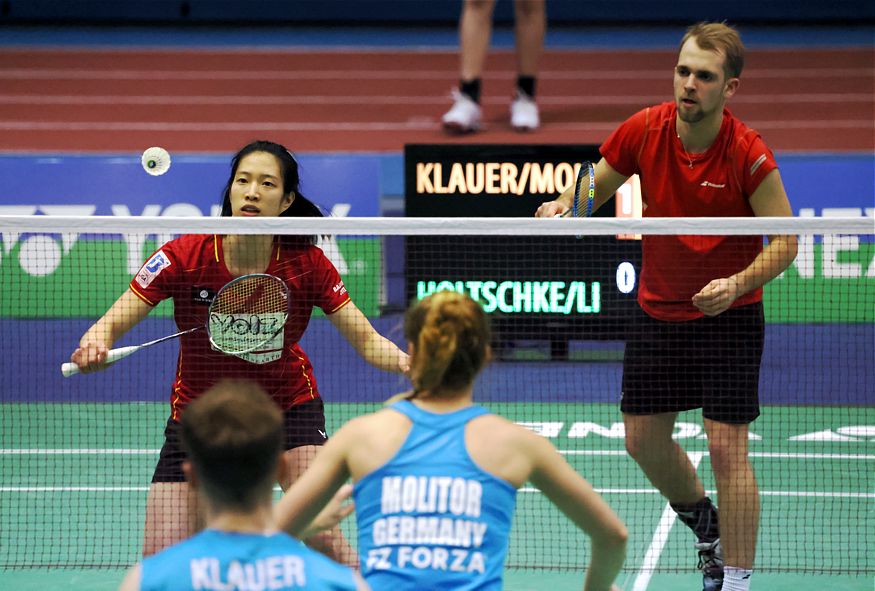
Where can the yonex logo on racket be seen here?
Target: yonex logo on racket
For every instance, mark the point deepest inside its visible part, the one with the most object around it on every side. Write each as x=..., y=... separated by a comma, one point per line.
x=234, y=325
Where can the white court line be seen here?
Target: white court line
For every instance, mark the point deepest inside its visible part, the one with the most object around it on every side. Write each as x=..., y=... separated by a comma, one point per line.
x=753, y=454
x=567, y=452
x=807, y=456
x=75, y=451
x=763, y=493
x=421, y=123
x=26, y=489
x=382, y=99
x=352, y=75
x=660, y=537
x=524, y=490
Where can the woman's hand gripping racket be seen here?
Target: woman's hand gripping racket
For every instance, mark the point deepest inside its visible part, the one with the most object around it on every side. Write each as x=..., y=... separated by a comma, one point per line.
x=584, y=187
x=246, y=314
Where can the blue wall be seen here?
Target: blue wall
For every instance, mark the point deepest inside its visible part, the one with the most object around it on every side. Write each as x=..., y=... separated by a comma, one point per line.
x=827, y=364
x=428, y=12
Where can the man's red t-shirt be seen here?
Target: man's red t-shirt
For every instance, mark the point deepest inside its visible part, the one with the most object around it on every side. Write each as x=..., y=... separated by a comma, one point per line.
x=191, y=269
x=719, y=183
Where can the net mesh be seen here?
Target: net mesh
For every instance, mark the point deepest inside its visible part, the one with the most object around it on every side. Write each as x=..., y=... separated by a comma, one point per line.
x=78, y=454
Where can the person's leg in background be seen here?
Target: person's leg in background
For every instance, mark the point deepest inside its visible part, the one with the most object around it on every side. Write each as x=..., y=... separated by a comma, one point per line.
x=530, y=27
x=475, y=32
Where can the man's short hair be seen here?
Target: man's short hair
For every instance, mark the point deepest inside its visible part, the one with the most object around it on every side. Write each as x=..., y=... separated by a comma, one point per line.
x=719, y=37
x=232, y=435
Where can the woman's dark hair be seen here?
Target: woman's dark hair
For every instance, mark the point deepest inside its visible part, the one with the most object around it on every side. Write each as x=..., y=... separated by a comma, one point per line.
x=301, y=206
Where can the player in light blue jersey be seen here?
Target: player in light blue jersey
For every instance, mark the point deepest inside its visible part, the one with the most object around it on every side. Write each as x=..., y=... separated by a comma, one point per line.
x=232, y=436
x=435, y=476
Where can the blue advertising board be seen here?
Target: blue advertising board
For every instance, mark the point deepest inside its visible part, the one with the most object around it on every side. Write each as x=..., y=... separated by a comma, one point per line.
x=348, y=185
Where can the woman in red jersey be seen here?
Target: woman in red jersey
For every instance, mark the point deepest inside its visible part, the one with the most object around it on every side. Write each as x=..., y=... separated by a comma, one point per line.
x=191, y=269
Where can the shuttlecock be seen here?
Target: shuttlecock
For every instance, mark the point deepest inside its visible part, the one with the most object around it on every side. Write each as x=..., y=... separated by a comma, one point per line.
x=156, y=161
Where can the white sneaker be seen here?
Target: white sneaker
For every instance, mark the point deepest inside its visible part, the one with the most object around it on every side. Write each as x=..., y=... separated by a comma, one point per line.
x=524, y=113
x=465, y=115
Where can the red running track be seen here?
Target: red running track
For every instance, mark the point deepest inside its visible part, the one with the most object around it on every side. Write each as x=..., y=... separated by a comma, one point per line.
x=117, y=100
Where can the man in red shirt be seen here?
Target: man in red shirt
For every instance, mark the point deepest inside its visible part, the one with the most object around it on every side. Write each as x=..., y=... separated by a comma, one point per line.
x=698, y=341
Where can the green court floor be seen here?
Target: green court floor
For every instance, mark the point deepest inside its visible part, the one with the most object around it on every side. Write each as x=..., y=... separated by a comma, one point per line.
x=73, y=480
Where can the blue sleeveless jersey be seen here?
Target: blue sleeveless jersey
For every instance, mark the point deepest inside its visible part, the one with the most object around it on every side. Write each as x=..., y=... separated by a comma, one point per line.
x=215, y=560
x=430, y=518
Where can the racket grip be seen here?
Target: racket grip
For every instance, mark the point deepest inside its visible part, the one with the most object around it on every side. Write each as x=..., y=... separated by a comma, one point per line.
x=68, y=369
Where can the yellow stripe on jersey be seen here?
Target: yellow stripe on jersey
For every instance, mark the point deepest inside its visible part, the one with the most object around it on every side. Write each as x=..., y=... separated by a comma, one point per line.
x=142, y=297
x=340, y=306
x=304, y=372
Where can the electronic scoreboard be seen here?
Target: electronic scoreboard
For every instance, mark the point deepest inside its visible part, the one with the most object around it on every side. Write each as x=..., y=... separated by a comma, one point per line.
x=556, y=288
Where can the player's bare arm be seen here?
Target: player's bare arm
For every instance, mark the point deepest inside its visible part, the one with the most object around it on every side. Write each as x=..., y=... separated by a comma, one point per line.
x=769, y=200
x=131, y=581
x=577, y=499
x=123, y=315
x=374, y=348
x=306, y=498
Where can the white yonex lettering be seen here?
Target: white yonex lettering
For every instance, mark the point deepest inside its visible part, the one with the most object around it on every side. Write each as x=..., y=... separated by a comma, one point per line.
x=713, y=185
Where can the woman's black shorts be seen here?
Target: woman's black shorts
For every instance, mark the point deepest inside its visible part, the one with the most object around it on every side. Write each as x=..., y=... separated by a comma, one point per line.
x=304, y=425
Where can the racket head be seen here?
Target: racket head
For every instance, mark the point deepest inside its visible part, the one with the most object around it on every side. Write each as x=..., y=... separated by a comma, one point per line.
x=248, y=313
x=584, y=190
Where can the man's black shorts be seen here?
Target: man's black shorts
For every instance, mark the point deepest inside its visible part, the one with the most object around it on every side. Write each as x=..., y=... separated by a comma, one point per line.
x=712, y=363
x=304, y=425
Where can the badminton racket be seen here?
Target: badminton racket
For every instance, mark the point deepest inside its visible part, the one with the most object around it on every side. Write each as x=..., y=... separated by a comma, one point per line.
x=246, y=314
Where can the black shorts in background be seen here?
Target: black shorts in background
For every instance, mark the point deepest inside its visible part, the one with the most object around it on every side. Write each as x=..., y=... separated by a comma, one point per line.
x=304, y=424
x=712, y=363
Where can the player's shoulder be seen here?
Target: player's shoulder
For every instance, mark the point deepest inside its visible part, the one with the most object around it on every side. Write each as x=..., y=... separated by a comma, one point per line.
x=302, y=253
x=504, y=432
x=654, y=116
x=192, y=246
x=648, y=119
x=364, y=426
x=741, y=136
x=192, y=240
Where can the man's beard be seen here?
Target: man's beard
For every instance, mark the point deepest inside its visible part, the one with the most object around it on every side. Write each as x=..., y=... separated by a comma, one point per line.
x=688, y=116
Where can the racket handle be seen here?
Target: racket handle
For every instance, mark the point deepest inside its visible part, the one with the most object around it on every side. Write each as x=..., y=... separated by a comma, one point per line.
x=68, y=369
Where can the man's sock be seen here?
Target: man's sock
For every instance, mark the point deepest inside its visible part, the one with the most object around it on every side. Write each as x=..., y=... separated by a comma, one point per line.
x=736, y=579
x=701, y=517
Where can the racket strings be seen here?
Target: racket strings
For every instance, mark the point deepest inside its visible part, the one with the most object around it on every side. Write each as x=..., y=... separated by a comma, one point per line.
x=248, y=313
x=584, y=191
x=252, y=295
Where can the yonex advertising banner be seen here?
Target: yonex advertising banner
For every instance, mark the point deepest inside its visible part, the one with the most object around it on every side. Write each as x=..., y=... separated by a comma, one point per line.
x=98, y=270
